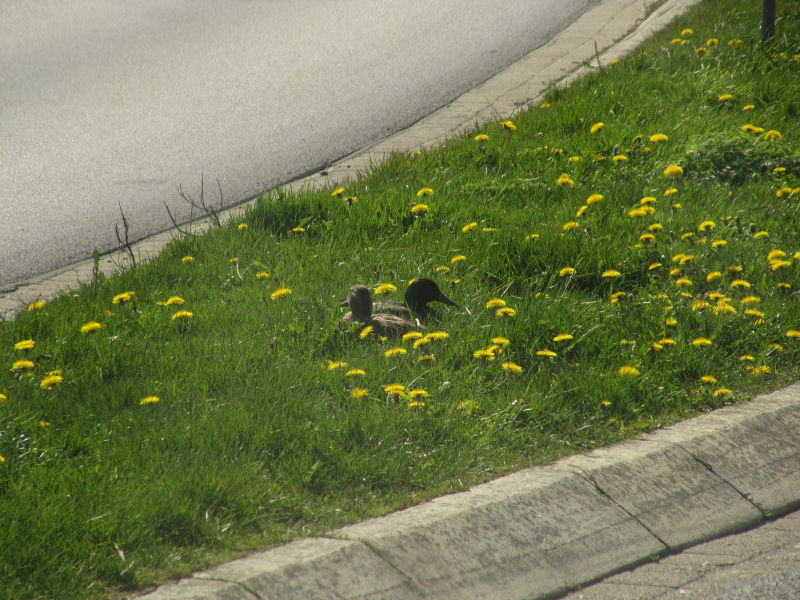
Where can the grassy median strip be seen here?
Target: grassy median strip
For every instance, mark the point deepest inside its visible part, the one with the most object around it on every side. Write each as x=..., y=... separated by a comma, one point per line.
x=624, y=254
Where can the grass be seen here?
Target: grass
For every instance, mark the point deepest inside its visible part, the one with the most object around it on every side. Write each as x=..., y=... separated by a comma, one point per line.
x=250, y=434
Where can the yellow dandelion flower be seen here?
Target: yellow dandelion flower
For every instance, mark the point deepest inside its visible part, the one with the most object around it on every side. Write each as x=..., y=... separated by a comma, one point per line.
x=262, y=275
x=416, y=404
x=639, y=211
x=686, y=32
x=242, y=226
x=508, y=125
x=149, y=400
x=658, y=137
x=412, y=335
x=596, y=127
x=336, y=364
x=654, y=266
x=396, y=351
x=3, y=398
x=760, y=234
x=182, y=315
x=569, y=225
x=357, y=393
x=723, y=308
x=565, y=179
x=740, y=283
x=355, y=373
x=673, y=170
x=566, y=271
x=581, y=210
x=469, y=227
x=544, y=105
x=395, y=389
x=793, y=333
x=647, y=237
x=187, y=259
x=706, y=226
x=37, y=305
x=123, y=297
x=685, y=281
x=22, y=364
x=365, y=332
x=495, y=303
x=511, y=367
x=594, y=198
x=458, y=258
x=418, y=393
x=724, y=97
x=747, y=358
x=701, y=341
x=779, y=264
x=670, y=321
x=48, y=382
x=423, y=341
x=427, y=357
x=532, y=236
x=752, y=312
x=670, y=191
x=666, y=341
x=385, y=288
x=647, y=200
x=713, y=276
x=628, y=371
x=481, y=137
x=750, y=128
x=419, y=209
x=505, y=312
x=777, y=347
x=298, y=229
x=500, y=341
x=718, y=243
x=337, y=192
x=442, y=269
x=574, y=159
x=233, y=260
x=280, y=293
x=749, y=107
x=760, y=370
x=619, y=158
x=611, y=274
x=708, y=379
x=438, y=335
x=426, y=191
x=24, y=345
x=546, y=353
x=773, y=134
x=174, y=300
x=90, y=327
x=561, y=337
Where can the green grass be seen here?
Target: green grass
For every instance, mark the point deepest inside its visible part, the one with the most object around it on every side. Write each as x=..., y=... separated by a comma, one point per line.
x=255, y=440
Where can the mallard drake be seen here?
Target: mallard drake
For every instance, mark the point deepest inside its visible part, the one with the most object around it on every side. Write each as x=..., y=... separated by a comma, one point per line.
x=360, y=301
x=418, y=294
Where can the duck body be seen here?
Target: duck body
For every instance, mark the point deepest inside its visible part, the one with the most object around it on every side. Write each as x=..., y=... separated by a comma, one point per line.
x=360, y=302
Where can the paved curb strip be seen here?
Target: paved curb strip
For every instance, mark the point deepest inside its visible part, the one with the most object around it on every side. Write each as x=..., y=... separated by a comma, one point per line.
x=519, y=84
x=545, y=530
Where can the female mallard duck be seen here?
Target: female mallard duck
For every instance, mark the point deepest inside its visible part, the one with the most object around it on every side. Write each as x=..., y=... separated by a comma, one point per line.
x=418, y=294
x=360, y=302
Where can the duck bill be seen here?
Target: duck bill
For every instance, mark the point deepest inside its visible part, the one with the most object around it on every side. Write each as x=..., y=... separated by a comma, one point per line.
x=445, y=299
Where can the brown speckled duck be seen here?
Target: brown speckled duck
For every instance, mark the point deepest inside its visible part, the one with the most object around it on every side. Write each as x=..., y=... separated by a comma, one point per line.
x=360, y=302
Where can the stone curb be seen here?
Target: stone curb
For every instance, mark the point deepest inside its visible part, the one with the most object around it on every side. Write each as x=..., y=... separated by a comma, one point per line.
x=599, y=34
x=544, y=531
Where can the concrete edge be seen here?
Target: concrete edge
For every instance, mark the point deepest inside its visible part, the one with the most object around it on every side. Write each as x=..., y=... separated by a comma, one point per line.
x=608, y=26
x=545, y=530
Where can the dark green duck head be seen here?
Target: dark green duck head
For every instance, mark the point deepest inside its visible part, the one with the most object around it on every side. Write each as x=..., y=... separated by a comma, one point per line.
x=420, y=292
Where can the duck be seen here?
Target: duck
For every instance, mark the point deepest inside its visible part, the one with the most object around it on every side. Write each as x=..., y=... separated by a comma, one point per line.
x=418, y=294
x=360, y=302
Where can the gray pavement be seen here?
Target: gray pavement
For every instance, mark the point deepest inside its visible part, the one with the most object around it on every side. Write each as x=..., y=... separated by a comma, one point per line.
x=759, y=564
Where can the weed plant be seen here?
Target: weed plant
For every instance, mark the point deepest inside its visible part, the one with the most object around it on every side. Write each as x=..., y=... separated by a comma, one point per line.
x=625, y=254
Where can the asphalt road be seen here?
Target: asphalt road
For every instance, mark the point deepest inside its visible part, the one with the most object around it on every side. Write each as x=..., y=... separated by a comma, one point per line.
x=114, y=103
